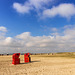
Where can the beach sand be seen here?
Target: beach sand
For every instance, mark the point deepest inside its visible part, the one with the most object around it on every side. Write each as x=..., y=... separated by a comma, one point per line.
x=38, y=66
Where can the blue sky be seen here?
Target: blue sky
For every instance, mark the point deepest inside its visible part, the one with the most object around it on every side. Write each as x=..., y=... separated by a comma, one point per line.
x=30, y=21
x=37, y=19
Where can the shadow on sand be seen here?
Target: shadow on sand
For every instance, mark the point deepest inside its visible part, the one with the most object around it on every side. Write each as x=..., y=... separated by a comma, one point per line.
x=30, y=62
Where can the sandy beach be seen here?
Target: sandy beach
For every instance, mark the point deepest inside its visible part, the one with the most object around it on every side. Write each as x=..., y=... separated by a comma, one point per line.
x=39, y=65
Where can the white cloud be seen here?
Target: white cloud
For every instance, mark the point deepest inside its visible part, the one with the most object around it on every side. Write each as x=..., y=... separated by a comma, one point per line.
x=30, y=5
x=42, y=8
x=24, y=35
x=54, y=29
x=39, y=4
x=64, y=10
x=3, y=29
x=22, y=8
x=8, y=40
x=24, y=42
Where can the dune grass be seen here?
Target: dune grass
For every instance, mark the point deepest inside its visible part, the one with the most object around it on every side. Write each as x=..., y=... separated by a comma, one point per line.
x=61, y=54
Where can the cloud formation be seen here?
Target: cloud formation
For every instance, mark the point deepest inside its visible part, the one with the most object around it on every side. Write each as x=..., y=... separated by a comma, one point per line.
x=25, y=42
x=22, y=8
x=63, y=10
x=31, y=5
x=3, y=29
